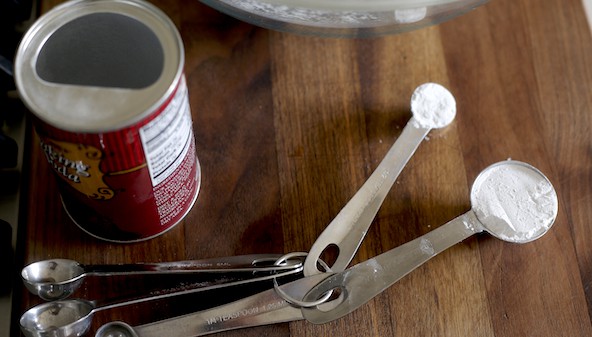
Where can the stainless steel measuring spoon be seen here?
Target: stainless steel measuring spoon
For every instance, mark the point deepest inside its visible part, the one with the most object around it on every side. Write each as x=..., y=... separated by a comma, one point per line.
x=58, y=278
x=65, y=318
x=433, y=106
x=511, y=200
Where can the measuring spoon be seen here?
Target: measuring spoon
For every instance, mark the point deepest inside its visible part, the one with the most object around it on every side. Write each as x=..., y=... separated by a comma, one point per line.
x=511, y=200
x=58, y=278
x=433, y=106
x=65, y=318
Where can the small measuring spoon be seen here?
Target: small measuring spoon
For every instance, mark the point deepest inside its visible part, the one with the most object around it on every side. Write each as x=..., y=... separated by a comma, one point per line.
x=433, y=106
x=511, y=200
x=59, y=278
x=65, y=318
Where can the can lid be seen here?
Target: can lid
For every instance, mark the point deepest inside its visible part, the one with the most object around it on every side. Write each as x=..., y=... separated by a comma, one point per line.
x=96, y=66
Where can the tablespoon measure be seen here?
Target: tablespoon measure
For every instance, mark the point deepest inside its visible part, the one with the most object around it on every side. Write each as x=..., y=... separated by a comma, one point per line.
x=58, y=278
x=65, y=318
x=511, y=200
x=432, y=106
x=528, y=188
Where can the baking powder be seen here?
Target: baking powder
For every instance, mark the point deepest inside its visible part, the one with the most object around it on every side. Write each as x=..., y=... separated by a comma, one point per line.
x=433, y=106
x=514, y=201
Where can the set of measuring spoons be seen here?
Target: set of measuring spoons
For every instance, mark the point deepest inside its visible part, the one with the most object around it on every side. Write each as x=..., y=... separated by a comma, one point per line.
x=511, y=200
x=54, y=280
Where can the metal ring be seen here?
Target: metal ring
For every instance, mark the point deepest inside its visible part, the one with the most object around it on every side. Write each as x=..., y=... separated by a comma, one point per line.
x=288, y=256
x=290, y=299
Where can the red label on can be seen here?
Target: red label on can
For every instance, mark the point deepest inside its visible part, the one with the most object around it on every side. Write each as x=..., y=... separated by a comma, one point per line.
x=130, y=184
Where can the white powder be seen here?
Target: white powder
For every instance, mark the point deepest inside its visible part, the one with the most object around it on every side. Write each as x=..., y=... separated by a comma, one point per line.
x=433, y=106
x=514, y=202
x=410, y=15
x=426, y=247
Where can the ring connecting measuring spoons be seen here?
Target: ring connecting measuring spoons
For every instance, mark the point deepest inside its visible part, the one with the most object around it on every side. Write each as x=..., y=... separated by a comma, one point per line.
x=58, y=278
x=433, y=106
x=65, y=318
x=511, y=200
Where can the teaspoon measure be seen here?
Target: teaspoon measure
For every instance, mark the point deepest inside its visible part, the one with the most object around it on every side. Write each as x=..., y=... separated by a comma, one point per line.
x=433, y=107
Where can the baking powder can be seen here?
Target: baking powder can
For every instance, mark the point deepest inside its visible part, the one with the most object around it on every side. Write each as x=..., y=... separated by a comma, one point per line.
x=105, y=84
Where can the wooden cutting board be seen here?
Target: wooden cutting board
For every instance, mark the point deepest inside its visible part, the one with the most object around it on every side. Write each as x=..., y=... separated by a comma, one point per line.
x=289, y=127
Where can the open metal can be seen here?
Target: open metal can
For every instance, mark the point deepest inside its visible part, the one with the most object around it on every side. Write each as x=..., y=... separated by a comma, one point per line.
x=105, y=84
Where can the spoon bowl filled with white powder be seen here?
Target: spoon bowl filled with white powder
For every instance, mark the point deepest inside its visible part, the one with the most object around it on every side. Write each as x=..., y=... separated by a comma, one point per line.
x=514, y=201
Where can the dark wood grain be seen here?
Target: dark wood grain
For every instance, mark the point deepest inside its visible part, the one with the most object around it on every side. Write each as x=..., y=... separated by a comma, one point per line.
x=289, y=127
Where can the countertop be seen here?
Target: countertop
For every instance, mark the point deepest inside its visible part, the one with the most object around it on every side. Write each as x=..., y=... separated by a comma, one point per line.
x=289, y=127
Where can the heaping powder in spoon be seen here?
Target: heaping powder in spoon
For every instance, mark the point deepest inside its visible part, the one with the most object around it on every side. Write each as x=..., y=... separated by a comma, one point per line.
x=433, y=106
x=515, y=202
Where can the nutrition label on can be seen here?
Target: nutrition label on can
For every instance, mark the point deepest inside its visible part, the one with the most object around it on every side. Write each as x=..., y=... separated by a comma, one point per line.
x=166, y=139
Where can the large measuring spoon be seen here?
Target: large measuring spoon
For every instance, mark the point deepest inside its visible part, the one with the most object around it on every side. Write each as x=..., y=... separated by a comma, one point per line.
x=59, y=278
x=511, y=200
x=433, y=107
x=65, y=318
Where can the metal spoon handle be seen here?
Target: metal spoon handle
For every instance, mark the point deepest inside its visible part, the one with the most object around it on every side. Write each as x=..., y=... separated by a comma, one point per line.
x=261, y=309
x=221, y=280
x=349, y=227
x=363, y=281
x=241, y=263
x=252, y=311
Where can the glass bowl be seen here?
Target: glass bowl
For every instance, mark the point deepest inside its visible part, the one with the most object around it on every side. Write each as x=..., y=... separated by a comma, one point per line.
x=344, y=18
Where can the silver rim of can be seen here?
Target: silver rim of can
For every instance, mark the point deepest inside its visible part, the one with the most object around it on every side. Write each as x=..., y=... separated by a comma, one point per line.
x=89, y=108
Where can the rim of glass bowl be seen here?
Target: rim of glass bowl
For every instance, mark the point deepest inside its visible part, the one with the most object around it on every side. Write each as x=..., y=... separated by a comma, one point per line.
x=359, y=5
x=286, y=15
